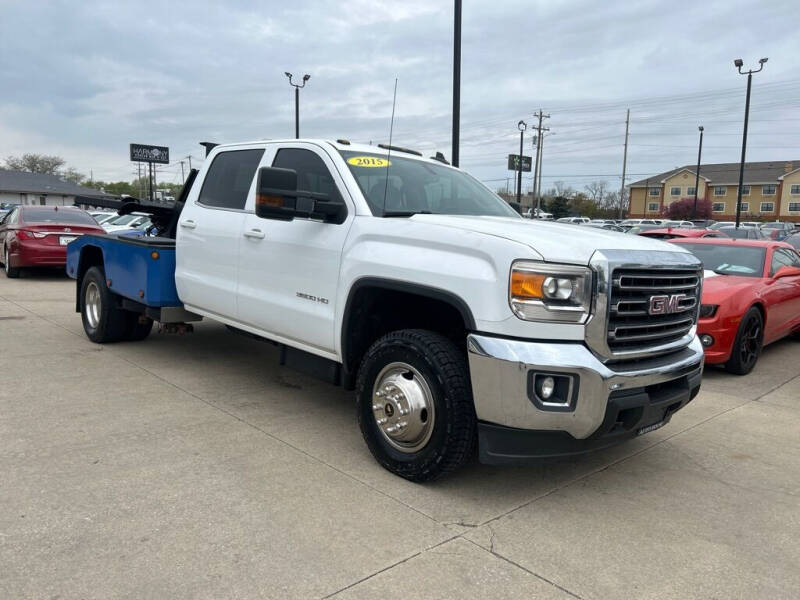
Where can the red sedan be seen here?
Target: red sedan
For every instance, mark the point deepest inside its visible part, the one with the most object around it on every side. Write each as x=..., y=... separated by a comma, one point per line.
x=37, y=236
x=671, y=233
x=751, y=297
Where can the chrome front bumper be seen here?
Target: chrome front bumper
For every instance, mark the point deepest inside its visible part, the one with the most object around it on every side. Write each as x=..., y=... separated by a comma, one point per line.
x=500, y=370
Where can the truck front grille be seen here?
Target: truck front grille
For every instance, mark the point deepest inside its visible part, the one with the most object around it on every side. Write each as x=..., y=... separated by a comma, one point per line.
x=651, y=308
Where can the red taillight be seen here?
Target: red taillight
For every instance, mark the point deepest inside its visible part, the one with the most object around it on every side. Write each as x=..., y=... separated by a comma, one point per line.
x=29, y=235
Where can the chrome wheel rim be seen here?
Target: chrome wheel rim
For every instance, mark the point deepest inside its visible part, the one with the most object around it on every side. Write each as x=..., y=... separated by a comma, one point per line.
x=92, y=304
x=403, y=407
x=5, y=261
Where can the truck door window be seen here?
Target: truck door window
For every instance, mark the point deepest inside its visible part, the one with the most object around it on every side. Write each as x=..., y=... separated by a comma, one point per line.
x=229, y=178
x=312, y=174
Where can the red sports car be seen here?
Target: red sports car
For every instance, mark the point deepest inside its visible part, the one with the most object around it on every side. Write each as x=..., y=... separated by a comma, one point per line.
x=671, y=233
x=751, y=297
x=37, y=236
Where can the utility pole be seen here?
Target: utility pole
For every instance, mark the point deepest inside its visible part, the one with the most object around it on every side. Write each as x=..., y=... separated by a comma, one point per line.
x=456, y=80
x=541, y=159
x=183, y=179
x=624, y=164
x=190, y=161
x=539, y=131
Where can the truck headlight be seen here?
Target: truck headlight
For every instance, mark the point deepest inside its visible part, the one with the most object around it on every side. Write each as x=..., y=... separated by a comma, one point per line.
x=549, y=292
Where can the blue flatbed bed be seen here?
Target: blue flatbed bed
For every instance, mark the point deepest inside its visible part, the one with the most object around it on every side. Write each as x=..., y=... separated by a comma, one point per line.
x=139, y=269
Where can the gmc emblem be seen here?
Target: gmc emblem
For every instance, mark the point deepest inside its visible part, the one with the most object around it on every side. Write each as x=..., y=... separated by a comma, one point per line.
x=666, y=305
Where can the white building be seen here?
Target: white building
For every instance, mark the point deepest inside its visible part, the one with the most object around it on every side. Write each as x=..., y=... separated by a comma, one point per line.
x=22, y=187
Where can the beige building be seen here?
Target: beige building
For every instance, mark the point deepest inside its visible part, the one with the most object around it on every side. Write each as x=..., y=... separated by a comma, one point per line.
x=771, y=190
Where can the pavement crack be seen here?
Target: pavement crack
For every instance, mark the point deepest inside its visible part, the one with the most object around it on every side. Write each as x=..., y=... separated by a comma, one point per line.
x=392, y=566
x=527, y=570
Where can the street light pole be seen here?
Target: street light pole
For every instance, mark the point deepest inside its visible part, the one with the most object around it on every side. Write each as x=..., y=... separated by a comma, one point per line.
x=456, y=81
x=297, y=87
x=738, y=63
x=697, y=173
x=522, y=125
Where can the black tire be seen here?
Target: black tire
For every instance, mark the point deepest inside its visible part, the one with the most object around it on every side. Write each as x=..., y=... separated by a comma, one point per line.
x=11, y=272
x=443, y=368
x=748, y=343
x=139, y=327
x=108, y=322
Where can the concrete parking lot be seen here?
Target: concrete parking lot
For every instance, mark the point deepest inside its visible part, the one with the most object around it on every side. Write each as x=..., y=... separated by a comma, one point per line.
x=195, y=467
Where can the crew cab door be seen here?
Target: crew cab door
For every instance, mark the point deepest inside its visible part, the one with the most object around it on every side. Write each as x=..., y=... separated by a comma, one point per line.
x=289, y=270
x=209, y=231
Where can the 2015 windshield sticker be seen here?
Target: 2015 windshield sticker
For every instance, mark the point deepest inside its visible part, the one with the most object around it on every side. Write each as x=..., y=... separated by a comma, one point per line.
x=368, y=161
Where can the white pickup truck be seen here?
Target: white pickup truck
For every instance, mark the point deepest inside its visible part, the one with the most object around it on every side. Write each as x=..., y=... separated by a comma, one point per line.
x=457, y=322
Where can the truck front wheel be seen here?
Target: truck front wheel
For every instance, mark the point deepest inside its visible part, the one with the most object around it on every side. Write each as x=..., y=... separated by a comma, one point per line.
x=103, y=320
x=415, y=406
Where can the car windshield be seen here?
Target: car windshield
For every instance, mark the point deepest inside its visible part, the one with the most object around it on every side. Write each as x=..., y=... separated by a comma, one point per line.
x=123, y=220
x=405, y=186
x=50, y=215
x=725, y=259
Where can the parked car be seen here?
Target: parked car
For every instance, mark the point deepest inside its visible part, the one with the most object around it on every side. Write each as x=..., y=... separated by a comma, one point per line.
x=681, y=232
x=778, y=230
x=721, y=224
x=102, y=216
x=632, y=222
x=637, y=229
x=607, y=226
x=574, y=220
x=129, y=221
x=743, y=233
x=794, y=240
x=37, y=236
x=703, y=223
x=750, y=298
x=678, y=224
x=602, y=222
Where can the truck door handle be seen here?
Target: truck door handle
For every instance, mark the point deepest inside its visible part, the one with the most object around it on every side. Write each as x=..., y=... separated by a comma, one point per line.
x=188, y=223
x=255, y=234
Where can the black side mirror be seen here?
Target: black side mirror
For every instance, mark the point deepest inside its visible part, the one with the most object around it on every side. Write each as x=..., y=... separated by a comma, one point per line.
x=277, y=197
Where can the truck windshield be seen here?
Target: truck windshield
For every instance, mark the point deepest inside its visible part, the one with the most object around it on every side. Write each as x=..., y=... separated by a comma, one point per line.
x=404, y=186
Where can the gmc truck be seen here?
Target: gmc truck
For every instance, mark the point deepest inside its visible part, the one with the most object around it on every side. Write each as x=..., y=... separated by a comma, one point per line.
x=457, y=322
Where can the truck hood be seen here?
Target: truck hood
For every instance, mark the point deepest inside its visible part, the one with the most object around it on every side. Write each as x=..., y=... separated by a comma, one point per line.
x=555, y=242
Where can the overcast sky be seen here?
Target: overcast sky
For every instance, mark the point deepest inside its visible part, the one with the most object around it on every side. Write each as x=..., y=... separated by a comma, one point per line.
x=83, y=79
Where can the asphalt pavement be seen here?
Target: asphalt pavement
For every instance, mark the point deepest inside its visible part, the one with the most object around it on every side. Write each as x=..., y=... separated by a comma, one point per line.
x=195, y=466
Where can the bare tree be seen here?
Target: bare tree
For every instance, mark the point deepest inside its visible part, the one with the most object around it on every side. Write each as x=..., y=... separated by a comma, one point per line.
x=597, y=191
x=35, y=163
x=563, y=189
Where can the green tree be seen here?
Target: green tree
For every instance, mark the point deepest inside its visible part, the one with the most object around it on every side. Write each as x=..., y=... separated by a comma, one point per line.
x=559, y=207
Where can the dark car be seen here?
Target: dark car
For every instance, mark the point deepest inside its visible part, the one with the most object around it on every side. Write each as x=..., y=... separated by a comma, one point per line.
x=778, y=230
x=743, y=233
x=37, y=236
x=794, y=240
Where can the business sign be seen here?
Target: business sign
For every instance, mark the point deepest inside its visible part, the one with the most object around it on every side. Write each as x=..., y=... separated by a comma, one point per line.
x=151, y=154
x=513, y=163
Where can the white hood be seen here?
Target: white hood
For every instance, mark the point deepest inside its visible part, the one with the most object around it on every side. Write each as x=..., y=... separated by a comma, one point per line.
x=556, y=242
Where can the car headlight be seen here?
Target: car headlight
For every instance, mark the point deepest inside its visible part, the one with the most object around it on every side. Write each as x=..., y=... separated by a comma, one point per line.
x=708, y=310
x=549, y=292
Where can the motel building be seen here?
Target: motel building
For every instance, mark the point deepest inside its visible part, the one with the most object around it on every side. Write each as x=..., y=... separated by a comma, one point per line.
x=771, y=191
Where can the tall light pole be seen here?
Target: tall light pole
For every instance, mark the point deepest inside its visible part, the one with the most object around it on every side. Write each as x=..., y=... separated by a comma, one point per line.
x=522, y=125
x=739, y=63
x=297, y=87
x=456, y=80
x=697, y=172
